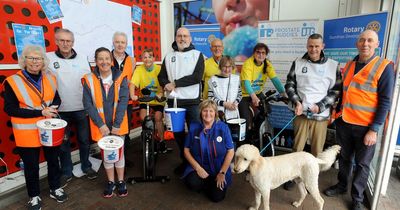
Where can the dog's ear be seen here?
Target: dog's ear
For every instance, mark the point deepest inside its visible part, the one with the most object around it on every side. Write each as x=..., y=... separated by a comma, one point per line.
x=255, y=164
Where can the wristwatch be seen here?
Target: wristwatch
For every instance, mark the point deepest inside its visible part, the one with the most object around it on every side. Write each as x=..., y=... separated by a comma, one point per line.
x=221, y=172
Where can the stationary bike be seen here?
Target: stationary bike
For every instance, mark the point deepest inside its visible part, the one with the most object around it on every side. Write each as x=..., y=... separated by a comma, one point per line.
x=150, y=148
x=262, y=131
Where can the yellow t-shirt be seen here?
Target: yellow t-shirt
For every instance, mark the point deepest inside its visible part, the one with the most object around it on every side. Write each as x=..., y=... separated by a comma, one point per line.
x=144, y=79
x=253, y=73
x=210, y=69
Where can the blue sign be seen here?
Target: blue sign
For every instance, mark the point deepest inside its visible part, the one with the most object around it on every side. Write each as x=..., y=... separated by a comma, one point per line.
x=203, y=35
x=52, y=10
x=27, y=35
x=340, y=35
x=137, y=15
x=280, y=116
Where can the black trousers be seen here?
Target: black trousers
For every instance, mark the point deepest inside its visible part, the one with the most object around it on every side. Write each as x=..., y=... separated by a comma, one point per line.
x=30, y=157
x=208, y=185
x=351, y=138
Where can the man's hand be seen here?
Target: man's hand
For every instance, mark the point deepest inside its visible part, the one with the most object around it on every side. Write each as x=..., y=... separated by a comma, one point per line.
x=314, y=109
x=370, y=138
x=49, y=112
x=135, y=98
x=169, y=87
x=298, y=109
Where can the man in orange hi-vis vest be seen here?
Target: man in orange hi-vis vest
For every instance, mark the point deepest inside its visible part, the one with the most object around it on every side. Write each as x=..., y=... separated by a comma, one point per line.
x=368, y=82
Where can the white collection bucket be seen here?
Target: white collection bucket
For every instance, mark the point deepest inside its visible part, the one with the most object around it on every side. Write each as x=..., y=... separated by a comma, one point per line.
x=111, y=148
x=238, y=129
x=51, y=131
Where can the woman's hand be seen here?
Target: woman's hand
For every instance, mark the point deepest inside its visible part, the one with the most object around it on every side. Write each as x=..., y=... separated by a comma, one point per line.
x=255, y=100
x=115, y=131
x=230, y=105
x=135, y=98
x=104, y=130
x=201, y=172
x=220, y=181
x=49, y=112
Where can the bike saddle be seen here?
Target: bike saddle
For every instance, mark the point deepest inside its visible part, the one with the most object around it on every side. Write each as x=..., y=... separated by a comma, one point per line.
x=161, y=99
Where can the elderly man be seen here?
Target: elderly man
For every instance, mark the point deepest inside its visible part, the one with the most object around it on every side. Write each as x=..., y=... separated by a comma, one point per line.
x=125, y=63
x=368, y=82
x=180, y=76
x=69, y=68
x=211, y=64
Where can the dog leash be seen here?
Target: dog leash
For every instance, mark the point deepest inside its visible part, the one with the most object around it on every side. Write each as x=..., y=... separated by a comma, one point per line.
x=284, y=127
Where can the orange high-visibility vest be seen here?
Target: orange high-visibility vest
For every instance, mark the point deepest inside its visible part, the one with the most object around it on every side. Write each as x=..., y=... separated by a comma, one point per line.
x=26, y=133
x=94, y=85
x=360, y=92
x=127, y=72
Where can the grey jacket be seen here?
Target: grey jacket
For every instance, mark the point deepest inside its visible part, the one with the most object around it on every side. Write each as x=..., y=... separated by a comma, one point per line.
x=108, y=102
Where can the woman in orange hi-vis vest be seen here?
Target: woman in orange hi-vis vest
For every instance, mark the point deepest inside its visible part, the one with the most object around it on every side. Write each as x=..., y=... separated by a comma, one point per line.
x=29, y=96
x=105, y=98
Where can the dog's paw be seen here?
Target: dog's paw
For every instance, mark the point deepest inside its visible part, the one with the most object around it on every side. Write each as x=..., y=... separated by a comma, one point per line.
x=296, y=204
x=252, y=208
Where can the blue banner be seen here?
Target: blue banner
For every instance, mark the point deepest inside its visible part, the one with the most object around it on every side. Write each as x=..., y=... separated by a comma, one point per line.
x=340, y=35
x=203, y=35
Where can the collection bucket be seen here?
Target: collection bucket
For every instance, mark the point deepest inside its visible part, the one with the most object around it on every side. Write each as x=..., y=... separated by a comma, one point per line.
x=238, y=129
x=51, y=131
x=175, y=119
x=111, y=148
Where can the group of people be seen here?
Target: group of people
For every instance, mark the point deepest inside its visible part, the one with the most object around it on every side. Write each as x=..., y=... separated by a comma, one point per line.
x=210, y=91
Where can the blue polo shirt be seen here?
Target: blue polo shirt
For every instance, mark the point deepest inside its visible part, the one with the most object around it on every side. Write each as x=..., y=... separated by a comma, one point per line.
x=209, y=148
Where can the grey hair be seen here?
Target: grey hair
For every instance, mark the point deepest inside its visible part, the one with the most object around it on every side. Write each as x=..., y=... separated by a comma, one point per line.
x=33, y=48
x=119, y=33
x=64, y=30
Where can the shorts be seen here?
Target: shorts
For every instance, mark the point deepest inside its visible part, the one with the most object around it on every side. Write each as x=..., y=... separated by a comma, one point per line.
x=155, y=108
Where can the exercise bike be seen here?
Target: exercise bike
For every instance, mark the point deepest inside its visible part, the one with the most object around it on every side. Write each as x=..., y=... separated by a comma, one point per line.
x=262, y=131
x=150, y=148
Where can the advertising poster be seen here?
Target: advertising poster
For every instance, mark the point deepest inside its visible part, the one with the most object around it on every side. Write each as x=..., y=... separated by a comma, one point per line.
x=27, y=35
x=340, y=35
x=239, y=28
x=52, y=10
x=203, y=35
x=137, y=15
x=286, y=41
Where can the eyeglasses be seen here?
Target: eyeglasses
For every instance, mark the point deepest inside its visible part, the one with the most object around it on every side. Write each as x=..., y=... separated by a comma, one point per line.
x=66, y=41
x=261, y=52
x=217, y=47
x=32, y=59
x=182, y=36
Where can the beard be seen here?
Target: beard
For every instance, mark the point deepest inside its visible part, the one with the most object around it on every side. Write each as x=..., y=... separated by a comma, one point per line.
x=182, y=45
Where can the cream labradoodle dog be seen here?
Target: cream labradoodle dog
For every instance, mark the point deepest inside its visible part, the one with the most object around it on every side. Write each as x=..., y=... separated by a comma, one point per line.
x=268, y=173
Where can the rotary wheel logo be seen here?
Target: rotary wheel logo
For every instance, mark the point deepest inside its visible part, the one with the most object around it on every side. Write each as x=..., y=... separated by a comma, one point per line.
x=374, y=25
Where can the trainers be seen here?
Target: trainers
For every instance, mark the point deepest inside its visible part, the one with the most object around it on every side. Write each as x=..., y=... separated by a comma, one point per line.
x=64, y=180
x=91, y=174
x=334, y=191
x=35, y=203
x=59, y=195
x=357, y=205
x=289, y=185
x=122, y=190
x=109, y=191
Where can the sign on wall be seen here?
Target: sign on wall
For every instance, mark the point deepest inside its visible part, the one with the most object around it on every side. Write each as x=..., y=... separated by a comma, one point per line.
x=341, y=34
x=203, y=35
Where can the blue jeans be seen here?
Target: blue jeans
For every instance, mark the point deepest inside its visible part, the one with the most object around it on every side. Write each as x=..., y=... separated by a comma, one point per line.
x=81, y=122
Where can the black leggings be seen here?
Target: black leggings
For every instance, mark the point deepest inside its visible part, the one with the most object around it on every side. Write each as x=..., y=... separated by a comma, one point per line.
x=209, y=185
